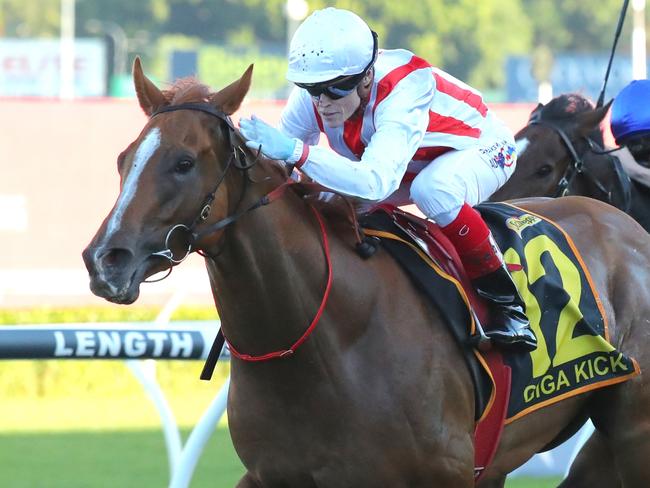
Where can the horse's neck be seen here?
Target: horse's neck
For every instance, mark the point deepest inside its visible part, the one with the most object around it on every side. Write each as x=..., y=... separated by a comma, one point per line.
x=269, y=279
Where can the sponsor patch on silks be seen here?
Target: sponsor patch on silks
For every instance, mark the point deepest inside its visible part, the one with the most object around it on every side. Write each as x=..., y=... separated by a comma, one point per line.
x=573, y=354
x=500, y=154
x=519, y=223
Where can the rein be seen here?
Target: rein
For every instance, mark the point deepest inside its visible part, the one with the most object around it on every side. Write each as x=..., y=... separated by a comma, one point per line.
x=238, y=160
x=577, y=166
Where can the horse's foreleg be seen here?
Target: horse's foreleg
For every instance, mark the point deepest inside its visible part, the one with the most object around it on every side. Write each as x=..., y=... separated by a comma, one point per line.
x=593, y=467
x=247, y=481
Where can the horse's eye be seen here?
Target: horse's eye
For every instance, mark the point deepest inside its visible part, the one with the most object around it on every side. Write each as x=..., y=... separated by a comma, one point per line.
x=544, y=170
x=184, y=166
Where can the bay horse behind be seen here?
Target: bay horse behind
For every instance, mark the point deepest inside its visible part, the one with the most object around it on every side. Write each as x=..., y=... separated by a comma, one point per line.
x=561, y=153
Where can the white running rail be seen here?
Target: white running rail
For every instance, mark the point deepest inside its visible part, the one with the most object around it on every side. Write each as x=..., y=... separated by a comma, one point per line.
x=139, y=344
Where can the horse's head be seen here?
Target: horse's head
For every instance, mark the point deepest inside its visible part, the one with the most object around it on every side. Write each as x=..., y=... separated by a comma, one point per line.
x=170, y=183
x=557, y=136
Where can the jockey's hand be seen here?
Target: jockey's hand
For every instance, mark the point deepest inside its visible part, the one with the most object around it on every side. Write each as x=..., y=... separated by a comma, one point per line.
x=275, y=145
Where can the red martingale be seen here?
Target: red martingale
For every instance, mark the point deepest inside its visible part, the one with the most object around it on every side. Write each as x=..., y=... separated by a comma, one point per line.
x=288, y=352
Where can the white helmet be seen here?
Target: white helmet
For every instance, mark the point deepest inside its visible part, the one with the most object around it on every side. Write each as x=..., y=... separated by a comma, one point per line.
x=328, y=44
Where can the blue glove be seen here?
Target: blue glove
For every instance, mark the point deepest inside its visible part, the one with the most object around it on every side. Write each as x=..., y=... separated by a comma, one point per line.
x=275, y=145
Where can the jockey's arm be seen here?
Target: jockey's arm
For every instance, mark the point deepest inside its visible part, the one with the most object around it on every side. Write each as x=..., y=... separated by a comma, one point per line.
x=632, y=167
x=399, y=133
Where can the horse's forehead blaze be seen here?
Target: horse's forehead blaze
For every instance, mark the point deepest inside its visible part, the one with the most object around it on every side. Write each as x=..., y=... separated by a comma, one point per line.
x=143, y=153
x=522, y=144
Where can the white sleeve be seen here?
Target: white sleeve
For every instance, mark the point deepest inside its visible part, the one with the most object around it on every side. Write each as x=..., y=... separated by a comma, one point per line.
x=401, y=120
x=298, y=118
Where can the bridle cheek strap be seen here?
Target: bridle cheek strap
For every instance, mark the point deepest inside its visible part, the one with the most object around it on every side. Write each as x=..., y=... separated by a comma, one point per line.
x=288, y=352
x=577, y=167
x=265, y=200
x=574, y=167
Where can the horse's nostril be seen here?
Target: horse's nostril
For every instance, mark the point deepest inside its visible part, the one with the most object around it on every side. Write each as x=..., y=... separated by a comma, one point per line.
x=115, y=257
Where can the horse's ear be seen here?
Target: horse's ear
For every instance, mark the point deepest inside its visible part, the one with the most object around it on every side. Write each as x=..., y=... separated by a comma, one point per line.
x=591, y=119
x=149, y=96
x=229, y=99
x=608, y=105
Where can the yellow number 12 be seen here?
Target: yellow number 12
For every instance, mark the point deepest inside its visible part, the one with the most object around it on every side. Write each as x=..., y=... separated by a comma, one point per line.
x=568, y=348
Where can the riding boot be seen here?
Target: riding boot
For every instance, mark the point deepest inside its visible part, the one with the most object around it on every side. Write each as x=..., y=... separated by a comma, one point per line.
x=484, y=265
x=510, y=326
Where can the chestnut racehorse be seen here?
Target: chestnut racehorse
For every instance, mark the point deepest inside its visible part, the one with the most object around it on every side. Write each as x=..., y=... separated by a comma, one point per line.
x=374, y=391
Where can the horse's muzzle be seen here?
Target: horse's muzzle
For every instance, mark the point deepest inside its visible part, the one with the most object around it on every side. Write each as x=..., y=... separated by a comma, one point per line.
x=112, y=273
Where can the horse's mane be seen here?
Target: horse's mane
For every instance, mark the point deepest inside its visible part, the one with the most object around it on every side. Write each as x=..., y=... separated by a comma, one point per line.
x=565, y=107
x=187, y=90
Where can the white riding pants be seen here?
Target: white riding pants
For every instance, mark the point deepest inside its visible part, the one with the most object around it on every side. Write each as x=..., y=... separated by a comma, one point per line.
x=463, y=176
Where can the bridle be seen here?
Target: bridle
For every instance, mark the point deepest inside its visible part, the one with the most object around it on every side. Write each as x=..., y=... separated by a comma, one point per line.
x=577, y=167
x=237, y=160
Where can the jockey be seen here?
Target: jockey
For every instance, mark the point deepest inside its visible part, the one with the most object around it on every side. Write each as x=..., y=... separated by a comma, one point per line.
x=630, y=120
x=398, y=128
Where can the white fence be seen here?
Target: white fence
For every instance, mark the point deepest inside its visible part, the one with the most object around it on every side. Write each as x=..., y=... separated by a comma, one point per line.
x=139, y=345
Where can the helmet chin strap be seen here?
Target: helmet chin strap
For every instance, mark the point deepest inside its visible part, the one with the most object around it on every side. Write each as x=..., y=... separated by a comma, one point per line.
x=363, y=90
x=366, y=82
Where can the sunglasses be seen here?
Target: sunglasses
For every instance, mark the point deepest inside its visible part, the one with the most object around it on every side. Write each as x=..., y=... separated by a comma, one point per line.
x=343, y=85
x=334, y=89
